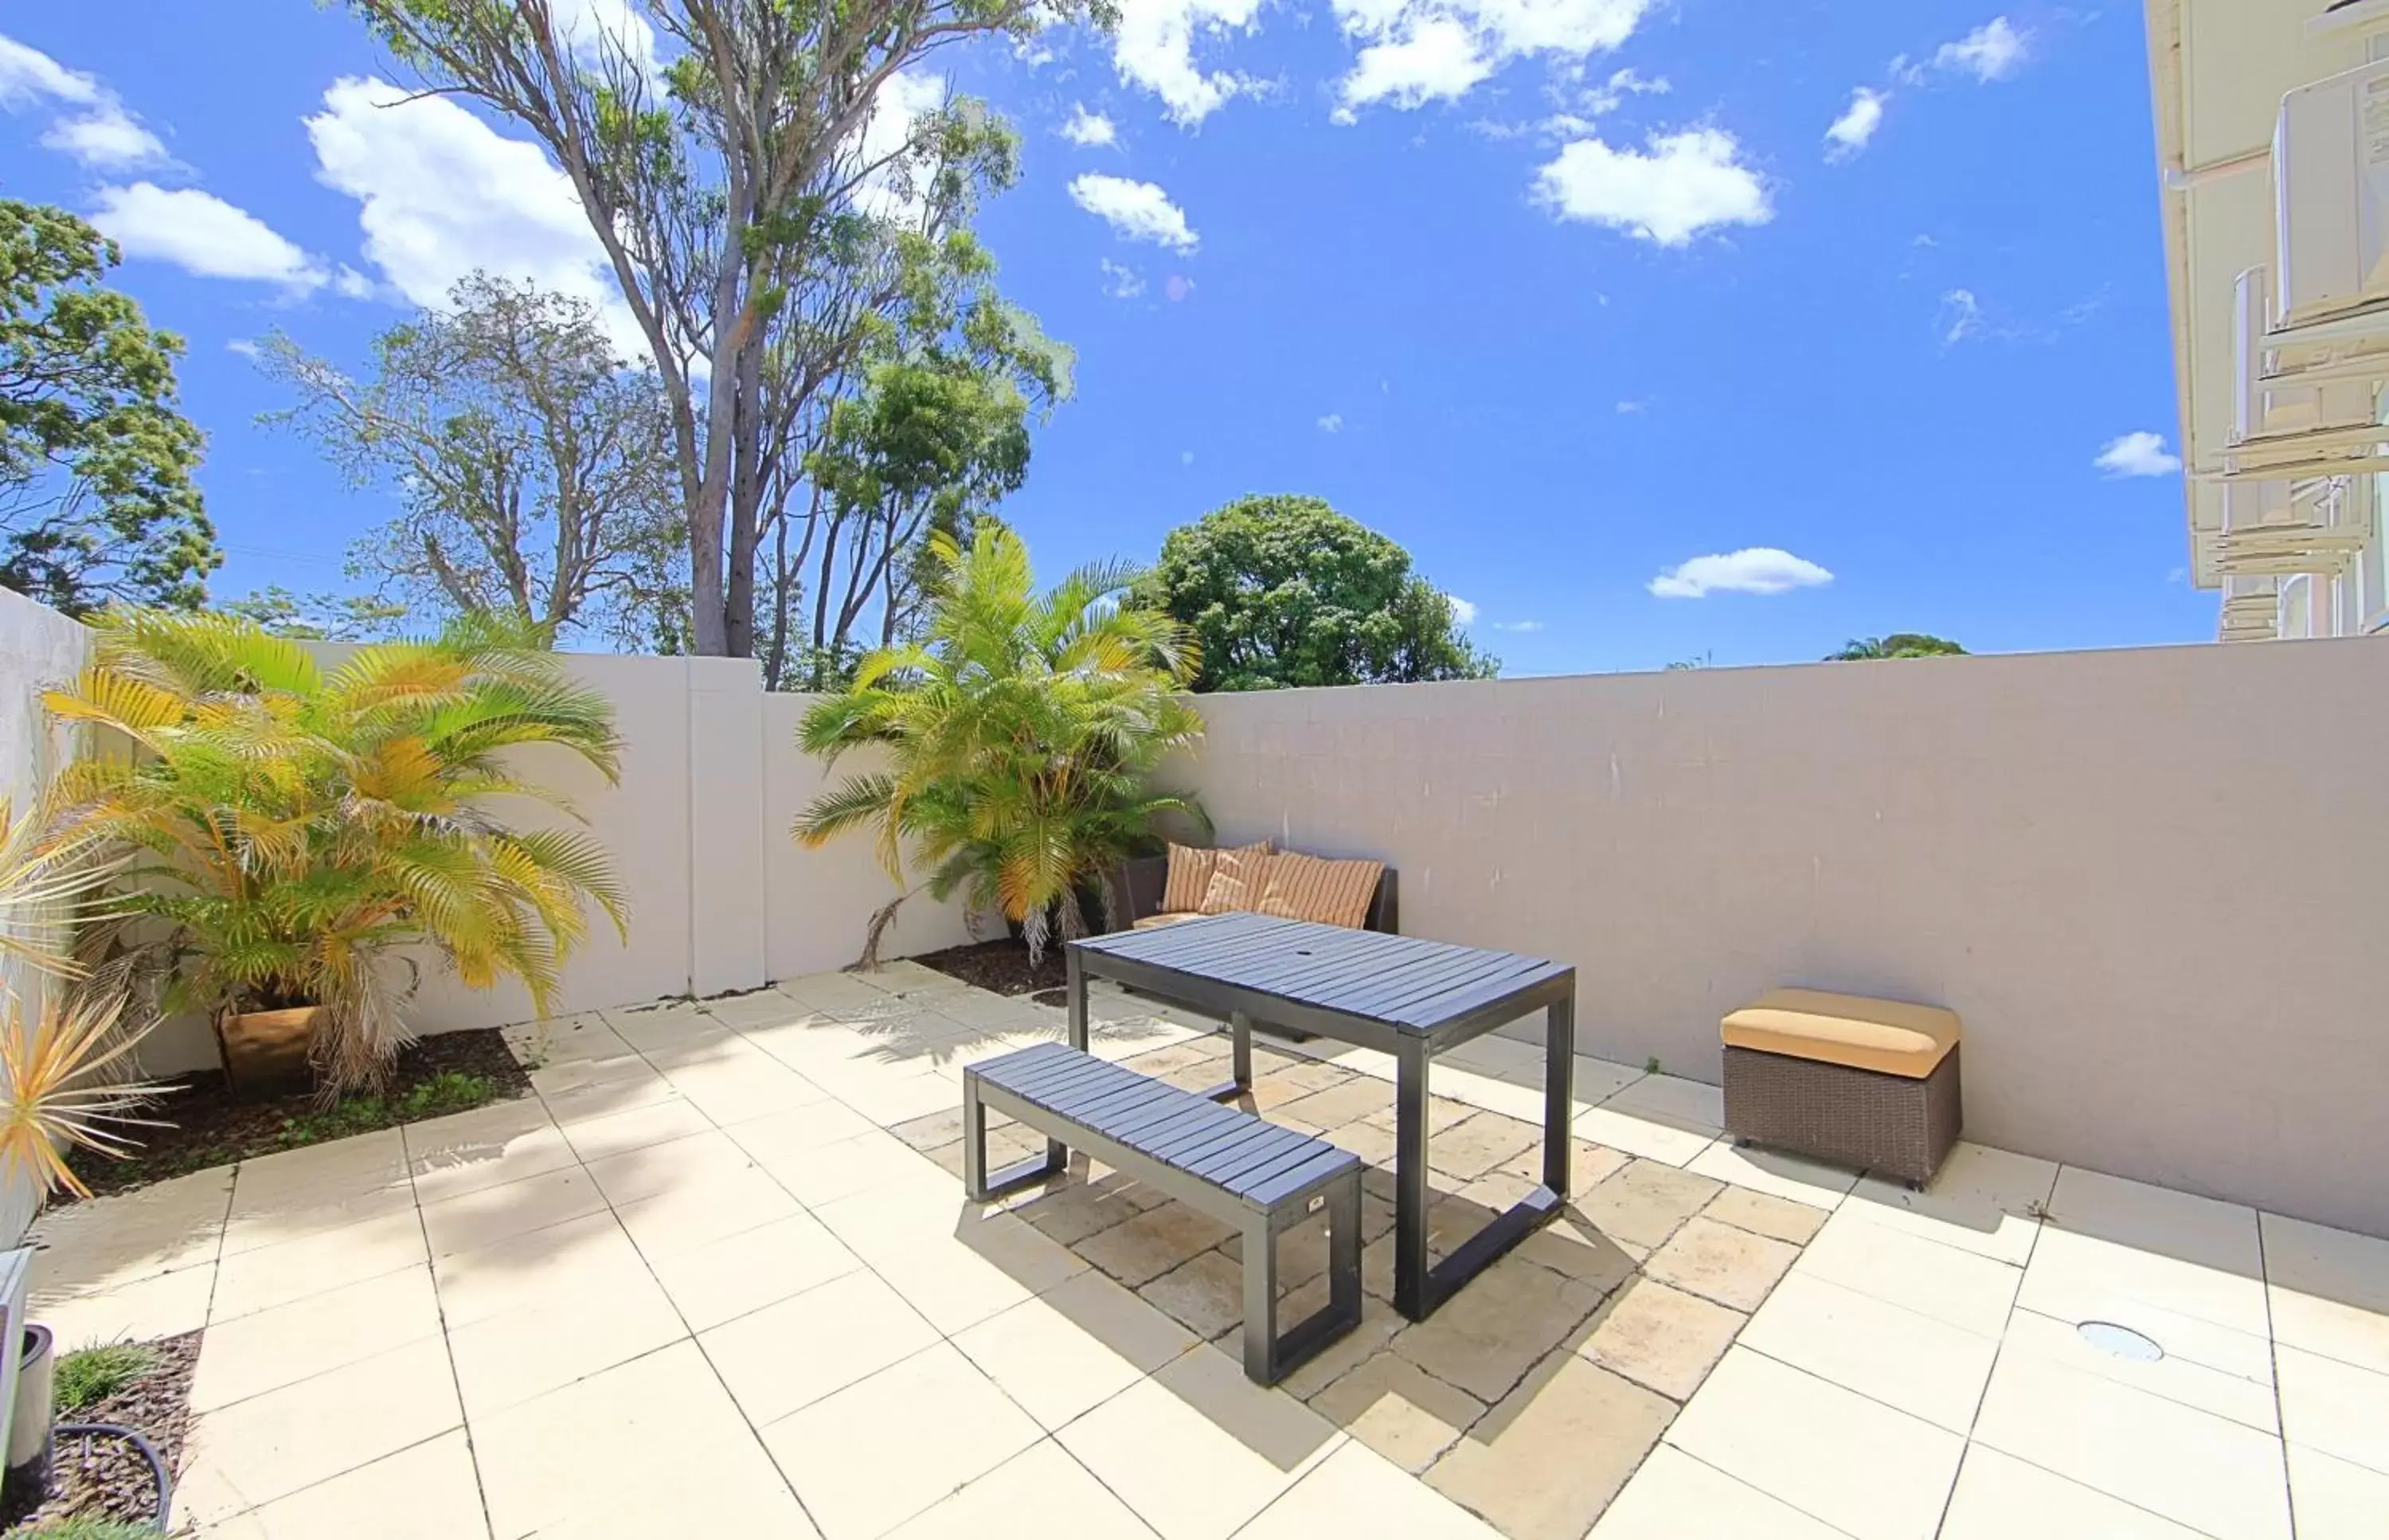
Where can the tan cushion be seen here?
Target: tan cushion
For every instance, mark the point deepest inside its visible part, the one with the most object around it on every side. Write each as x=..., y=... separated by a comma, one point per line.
x=1236, y=881
x=1306, y=887
x=1154, y=922
x=1190, y=876
x=1892, y=1037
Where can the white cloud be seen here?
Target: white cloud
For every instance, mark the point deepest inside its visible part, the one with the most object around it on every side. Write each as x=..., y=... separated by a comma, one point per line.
x=594, y=30
x=1416, y=51
x=1135, y=210
x=1991, y=52
x=1961, y=317
x=1630, y=409
x=1332, y=423
x=1517, y=625
x=245, y=347
x=203, y=234
x=1461, y=610
x=1121, y=281
x=1759, y=569
x=28, y=76
x=1088, y=127
x=104, y=135
x=108, y=139
x=440, y=193
x=1154, y=47
x=1611, y=94
x=1687, y=182
x=890, y=193
x=1185, y=456
x=1851, y=131
x=1438, y=60
x=2138, y=454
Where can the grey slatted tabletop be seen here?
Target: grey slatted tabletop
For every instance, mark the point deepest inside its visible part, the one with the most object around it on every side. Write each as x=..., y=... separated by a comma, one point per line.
x=1403, y=981
x=1411, y=997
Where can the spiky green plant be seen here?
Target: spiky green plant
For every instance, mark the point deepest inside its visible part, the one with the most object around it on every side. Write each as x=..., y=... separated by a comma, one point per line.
x=1020, y=734
x=90, y=1375
x=296, y=824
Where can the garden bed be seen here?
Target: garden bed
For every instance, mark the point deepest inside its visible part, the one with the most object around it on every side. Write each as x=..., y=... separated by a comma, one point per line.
x=109, y=1478
x=449, y=1073
x=1000, y=966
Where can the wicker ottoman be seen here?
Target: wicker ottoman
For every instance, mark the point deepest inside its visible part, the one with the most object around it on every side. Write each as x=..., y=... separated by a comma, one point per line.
x=1862, y=1082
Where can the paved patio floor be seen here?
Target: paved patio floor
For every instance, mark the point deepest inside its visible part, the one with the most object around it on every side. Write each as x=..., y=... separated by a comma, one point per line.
x=717, y=1278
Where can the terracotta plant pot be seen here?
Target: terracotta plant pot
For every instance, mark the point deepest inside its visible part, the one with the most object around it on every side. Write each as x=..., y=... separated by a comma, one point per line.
x=265, y=1052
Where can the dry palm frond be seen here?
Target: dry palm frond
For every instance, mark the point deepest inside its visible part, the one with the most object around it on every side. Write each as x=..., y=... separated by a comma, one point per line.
x=45, y=888
x=56, y=1092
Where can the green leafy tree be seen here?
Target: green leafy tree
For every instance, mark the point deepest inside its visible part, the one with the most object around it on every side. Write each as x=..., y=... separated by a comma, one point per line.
x=96, y=498
x=319, y=617
x=1897, y=644
x=294, y=826
x=533, y=464
x=935, y=438
x=1021, y=732
x=1283, y=590
x=756, y=195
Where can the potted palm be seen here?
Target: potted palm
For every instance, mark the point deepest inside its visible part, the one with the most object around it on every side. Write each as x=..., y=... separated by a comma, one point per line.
x=1020, y=733
x=293, y=824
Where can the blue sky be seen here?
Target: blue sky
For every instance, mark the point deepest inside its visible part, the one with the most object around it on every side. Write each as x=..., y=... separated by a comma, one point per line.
x=1463, y=267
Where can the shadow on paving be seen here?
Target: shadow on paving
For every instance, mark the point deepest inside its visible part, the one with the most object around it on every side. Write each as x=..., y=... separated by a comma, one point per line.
x=1532, y=1394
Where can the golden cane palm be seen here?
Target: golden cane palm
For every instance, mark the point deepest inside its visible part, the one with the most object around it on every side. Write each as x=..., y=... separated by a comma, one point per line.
x=1020, y=732
x=295, y=823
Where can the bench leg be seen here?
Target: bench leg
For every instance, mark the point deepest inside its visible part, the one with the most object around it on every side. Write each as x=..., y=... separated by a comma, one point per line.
x=1261, y=1301
x=977, y=1182
x=1267, y=1357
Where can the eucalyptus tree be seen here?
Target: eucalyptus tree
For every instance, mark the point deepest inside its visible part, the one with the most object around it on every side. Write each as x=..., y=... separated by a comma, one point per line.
x=761, y=199
x=533, y=464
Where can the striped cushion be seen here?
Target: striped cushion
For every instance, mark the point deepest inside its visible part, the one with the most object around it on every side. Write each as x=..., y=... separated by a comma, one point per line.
x=1332, y=893
x=1236, y=881
x=1190, y=875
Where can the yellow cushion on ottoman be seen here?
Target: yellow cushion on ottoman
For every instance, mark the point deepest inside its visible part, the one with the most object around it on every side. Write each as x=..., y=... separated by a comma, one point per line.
x=1889, y=1036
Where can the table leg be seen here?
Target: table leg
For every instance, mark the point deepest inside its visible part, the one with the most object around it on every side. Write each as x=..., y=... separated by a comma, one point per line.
x=1240, y=1077
x=1077, y=979
x=1410, y=1182
x=1559, y=1090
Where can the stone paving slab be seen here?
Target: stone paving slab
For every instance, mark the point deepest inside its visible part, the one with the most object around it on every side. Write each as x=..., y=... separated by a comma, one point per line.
x=716, y=1276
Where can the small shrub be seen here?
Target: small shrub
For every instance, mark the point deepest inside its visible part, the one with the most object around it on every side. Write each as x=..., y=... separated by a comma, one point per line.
x=449, y=1092
x=90, y=1375
x=1651, y=1065
x=90, y=1529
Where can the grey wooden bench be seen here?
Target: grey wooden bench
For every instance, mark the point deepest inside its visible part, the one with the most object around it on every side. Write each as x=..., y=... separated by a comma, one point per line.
x=1257, y=1176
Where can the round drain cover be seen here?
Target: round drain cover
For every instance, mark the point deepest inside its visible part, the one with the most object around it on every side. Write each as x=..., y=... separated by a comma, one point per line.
x=2121, y=1340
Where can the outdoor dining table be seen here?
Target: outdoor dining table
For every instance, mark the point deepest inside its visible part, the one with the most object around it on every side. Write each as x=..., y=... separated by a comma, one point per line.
x=1411, y=999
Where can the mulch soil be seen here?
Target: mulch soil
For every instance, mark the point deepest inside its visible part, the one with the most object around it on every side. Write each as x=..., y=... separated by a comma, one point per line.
x=1000, y=966
x=108, y=1478
x=209, y=1126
